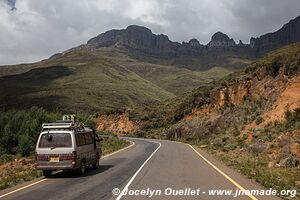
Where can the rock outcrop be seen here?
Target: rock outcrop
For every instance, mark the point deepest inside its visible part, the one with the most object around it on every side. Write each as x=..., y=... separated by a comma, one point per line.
x=194, y=43
x=116, y=123
x=288, y=34
x=221, y=40
x=136, y=38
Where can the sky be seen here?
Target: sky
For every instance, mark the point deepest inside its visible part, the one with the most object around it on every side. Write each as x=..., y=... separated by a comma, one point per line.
x=32, y=30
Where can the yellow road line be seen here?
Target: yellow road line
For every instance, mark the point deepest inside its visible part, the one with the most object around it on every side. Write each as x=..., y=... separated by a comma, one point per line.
x=225, y=175
x=32, y=184
x=4, y=195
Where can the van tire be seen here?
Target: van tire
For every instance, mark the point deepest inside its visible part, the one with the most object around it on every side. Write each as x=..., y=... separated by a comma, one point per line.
x=96, y=162
x=82, y=168
x=47, y=173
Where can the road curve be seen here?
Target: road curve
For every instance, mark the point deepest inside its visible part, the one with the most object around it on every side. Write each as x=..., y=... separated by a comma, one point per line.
x=152, y=164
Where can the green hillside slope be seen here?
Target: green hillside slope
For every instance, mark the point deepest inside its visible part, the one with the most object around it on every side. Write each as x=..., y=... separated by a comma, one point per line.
x=96, y=81
x=79, y=82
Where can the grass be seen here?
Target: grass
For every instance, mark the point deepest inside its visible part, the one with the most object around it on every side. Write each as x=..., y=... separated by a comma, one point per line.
x=288, y=56
x=22, y=170
x=17, y=172
x=177, y=80
x=80, y=81
x=255, y=167
x=96, y=81
x=112, y=143
x=198, y=61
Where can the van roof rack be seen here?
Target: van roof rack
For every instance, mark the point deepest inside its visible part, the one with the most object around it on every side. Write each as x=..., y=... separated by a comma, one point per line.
x=58, y=125
x=68, y=122
x=62, y=125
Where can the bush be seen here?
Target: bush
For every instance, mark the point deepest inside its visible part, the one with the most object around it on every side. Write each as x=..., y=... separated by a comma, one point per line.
x=88, y=121
x=275, y=65
x=259, y=120
x=6, y=158
x=19, y=129
x=292, y=119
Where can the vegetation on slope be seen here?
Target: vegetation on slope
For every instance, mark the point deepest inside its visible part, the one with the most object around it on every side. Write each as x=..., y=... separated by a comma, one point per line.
x=19, y=130
x=270, y=154
x=96, y=81
x=77, y=83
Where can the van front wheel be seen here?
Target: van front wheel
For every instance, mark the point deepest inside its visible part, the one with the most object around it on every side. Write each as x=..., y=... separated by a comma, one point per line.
x=47, y=173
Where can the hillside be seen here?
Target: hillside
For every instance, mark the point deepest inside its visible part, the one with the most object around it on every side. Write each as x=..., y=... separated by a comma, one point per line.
x=130, y=68
x=95, y=81
x=249, y=119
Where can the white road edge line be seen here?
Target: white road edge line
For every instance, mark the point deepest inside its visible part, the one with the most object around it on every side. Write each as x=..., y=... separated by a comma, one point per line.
x=222, y=173
x=4, y=195
x=118, y=151
x=136, y=173
x=32, y=184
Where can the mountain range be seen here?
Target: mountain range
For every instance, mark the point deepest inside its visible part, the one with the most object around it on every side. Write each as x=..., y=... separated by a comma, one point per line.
x=220, y=51
x=131, y=67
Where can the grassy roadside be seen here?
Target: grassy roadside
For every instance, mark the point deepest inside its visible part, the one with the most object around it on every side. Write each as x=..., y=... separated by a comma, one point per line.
x=15, y=170
x=256, y=168
x=111, y=142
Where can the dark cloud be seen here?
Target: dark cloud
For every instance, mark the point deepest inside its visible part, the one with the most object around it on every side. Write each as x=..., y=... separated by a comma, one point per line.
x=38, y=29
x=12, y=4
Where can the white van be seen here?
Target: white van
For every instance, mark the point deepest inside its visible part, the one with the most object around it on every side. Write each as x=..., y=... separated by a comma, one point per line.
x=67, y=145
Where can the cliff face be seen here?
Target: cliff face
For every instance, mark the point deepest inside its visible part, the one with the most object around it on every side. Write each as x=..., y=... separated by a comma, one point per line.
x=119, y=124
x=288, y=34
x=221, y=51
x=254, y=86
x=136, y=38
x=142, y=38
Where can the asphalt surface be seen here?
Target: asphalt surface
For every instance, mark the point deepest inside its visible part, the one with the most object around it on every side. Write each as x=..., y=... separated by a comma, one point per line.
x=169, y=168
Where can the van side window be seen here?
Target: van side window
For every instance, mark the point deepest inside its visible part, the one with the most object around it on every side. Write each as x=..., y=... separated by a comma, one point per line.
x=88, y=138
x=80, y=139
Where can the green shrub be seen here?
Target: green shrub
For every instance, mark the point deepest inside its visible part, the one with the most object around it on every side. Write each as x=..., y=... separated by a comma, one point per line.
x=292, y=118
x=273, y=68
x=19, y=129
x=88, y=121
x=259, y=120
x=6, y=158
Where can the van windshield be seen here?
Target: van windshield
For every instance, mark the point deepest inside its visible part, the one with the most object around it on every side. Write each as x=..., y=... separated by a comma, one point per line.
x=54, y=140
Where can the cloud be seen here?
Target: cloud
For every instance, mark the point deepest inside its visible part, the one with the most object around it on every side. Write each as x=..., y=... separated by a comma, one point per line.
x=32, y=30
x=11, y=4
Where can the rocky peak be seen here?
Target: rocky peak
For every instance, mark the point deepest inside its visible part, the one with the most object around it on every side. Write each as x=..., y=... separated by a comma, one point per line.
x=138, y=29
x=133, y=36
x=109, y=38
x=220, y=39
x=194, y=43
x=219, y=36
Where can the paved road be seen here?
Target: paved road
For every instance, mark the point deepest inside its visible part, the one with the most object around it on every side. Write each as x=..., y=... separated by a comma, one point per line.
x=152, y=164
